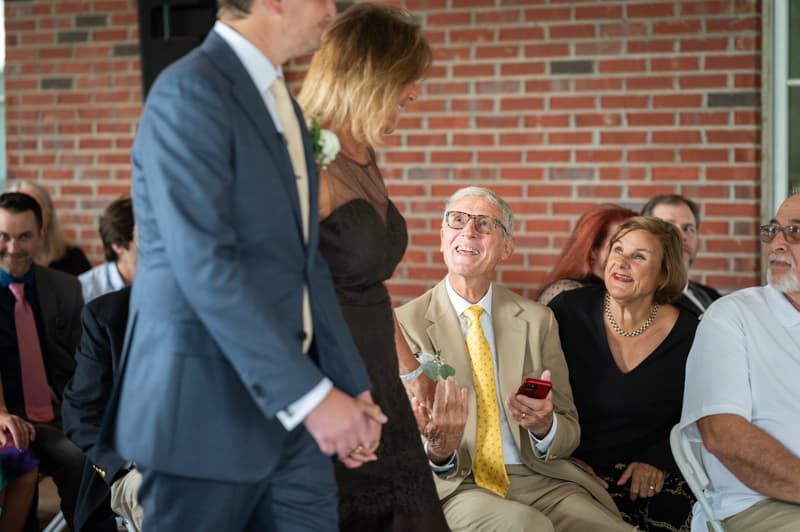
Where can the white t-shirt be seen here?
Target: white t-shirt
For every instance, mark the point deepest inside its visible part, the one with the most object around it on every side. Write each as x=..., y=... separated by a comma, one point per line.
x=745, y=360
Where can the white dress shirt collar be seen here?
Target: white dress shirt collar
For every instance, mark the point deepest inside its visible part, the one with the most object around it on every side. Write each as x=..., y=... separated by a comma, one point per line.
x=460, y=304
x=260, y=69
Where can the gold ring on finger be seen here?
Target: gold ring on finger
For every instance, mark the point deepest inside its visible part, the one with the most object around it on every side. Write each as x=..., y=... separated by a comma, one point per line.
x=652, y=488
x=358, y=450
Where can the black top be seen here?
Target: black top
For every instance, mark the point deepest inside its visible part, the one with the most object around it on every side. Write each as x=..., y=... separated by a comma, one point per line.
x=10, y=369
x=74, y=261
x=624, y=417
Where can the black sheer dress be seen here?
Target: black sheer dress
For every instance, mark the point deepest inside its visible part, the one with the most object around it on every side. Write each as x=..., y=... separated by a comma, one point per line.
x=363, y=239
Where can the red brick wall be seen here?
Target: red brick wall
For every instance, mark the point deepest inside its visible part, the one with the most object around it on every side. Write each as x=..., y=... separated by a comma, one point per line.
x=559, y=105
x=73, y=98
x=554, y=104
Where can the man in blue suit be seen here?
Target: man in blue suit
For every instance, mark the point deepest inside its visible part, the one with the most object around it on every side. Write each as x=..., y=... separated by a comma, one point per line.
x=240, y=368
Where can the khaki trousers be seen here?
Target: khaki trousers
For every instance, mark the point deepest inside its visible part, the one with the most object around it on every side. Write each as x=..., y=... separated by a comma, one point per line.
x=769, y=515
x=533, y=503
x=123, y=498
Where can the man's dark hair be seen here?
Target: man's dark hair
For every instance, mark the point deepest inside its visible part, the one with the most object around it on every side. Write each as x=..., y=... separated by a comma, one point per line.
x=116, y=226
x=672, y=199
x=18, y=202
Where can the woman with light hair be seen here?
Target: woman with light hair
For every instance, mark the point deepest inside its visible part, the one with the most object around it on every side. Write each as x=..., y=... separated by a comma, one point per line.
x=626, y=347
x=366, y=71
x=56, y=252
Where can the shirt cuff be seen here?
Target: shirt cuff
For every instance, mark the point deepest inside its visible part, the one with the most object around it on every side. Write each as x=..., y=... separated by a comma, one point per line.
x=543, y=445
x=295, y=413
x=442, y=469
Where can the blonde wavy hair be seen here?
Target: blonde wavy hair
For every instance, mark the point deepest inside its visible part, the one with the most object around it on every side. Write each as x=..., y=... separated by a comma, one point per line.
x=367, y=56
x=54, y=245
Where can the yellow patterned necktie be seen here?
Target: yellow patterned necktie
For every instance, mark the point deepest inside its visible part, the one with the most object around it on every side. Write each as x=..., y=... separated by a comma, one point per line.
x=488, y=464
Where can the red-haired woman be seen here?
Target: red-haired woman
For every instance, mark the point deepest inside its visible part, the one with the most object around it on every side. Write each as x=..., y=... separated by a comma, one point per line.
x=584, y=255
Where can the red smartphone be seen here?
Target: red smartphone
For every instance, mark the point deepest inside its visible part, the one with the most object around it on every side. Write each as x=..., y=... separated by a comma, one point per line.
x=535, y=388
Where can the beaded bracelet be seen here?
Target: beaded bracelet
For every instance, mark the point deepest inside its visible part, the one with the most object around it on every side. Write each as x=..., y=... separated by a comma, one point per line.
x=410, y=376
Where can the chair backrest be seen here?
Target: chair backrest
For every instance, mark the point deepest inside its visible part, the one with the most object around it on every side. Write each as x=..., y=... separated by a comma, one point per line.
x=57, y=524
x=687, y=456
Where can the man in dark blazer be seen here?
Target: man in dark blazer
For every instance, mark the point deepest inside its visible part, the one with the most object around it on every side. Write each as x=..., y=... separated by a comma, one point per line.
x=240, y=374
x=54, y=299
x=97, y=360
x=684, y=214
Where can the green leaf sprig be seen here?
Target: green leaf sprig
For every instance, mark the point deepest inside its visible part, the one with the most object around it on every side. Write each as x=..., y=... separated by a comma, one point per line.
x=433, y=366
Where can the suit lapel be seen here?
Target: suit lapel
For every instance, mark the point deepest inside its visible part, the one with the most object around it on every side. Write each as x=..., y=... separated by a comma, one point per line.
x=444, y=330
x=254, y=108
x=510, y=336
x=701, y=295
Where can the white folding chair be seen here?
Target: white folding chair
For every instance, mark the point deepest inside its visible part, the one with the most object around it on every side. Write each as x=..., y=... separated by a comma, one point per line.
x=56, y=524
x=687, y=456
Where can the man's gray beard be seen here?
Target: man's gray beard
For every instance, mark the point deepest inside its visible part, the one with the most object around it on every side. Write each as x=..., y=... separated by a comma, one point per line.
x=788, y=282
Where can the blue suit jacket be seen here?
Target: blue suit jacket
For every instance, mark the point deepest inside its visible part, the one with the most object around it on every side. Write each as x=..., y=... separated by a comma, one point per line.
x=215, y=329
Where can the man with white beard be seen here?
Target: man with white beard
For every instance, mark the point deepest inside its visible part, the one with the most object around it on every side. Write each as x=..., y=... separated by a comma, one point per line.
x=742, y=394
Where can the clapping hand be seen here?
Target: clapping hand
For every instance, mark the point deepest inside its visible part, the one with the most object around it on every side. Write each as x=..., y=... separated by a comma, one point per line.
x=442, y=425
x=422, y=389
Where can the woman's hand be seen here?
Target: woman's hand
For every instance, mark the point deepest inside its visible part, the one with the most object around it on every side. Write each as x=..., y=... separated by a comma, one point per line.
x=646, y=480
x=422, y=389
x=16, y=428
x=588, y=470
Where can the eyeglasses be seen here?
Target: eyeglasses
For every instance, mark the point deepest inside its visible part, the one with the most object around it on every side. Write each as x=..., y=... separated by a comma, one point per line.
x=791, y=233
x=483, y=224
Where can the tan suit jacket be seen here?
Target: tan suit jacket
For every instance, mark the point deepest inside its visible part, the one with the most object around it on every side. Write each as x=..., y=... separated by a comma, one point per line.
x=527, y=342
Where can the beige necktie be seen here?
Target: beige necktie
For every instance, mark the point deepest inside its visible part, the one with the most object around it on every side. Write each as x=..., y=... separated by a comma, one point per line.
x=294, y=144
x=488, y=464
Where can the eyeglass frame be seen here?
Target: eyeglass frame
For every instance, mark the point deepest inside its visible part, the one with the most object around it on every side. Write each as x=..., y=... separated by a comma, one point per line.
x=772, y=230
x=474, y=218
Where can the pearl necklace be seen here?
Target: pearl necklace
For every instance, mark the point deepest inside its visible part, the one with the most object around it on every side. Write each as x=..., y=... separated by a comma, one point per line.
x=617, y=329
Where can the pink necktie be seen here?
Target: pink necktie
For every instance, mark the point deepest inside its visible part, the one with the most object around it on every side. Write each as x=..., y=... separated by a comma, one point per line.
x=35, y=389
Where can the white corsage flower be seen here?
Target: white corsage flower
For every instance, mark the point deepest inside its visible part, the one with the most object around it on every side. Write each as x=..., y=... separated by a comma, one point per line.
x=325, y=143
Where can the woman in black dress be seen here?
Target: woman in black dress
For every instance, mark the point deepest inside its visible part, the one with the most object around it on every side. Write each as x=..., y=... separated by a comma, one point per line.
x=366, y=71
x=626, y=350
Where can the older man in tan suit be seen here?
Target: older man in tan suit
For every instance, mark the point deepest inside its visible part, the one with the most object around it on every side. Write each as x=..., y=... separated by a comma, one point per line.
x=498, y=468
